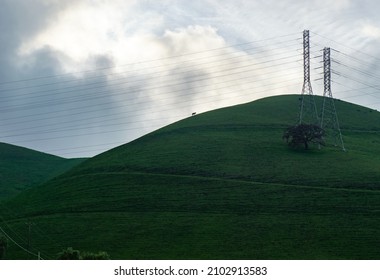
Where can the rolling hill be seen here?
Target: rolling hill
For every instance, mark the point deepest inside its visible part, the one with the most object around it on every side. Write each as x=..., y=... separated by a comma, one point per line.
x=218, y=185
x=21, y=168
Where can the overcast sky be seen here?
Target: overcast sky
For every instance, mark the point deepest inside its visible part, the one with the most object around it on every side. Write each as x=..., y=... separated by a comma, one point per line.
x=78, y=77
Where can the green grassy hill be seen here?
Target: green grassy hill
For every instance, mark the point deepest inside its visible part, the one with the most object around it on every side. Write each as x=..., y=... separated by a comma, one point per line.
x=21, y=168
x=219, y=185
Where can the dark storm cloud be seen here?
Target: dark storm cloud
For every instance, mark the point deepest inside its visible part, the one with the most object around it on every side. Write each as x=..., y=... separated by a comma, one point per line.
x=19, y=21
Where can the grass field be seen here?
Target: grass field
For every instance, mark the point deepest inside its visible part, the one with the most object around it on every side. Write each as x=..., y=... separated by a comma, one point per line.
x=219, y=185
x=22, y=168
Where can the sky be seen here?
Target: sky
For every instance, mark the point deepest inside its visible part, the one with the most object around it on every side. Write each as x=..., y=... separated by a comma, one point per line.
x=79, y=77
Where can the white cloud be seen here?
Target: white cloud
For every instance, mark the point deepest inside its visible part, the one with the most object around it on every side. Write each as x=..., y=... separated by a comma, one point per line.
x=116, y=29
x=85, y=29
x=371, y=31
x=337, y=5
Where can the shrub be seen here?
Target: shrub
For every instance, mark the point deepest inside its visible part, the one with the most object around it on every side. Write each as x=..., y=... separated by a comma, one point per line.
x=71, y=254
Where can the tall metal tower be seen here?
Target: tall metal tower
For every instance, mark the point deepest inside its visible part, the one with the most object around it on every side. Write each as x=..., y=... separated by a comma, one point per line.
x=329, y=117
x=308, y=108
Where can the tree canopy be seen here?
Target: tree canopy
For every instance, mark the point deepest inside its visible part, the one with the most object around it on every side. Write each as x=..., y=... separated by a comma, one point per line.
x=304, y=134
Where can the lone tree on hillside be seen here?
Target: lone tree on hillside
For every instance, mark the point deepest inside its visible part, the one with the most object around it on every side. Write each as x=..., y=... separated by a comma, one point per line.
x=303, y=134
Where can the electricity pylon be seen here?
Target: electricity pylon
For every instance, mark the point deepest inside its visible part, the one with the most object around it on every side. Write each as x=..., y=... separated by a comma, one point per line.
x=308, y=109
x=329, y=116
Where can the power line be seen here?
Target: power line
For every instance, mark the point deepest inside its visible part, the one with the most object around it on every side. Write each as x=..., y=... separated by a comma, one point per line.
x=9, y=227
x=365, y=73
x=349, y=66
x=18, y=245
x=232, y=56
x=150, y=89
x=357, y=90
x=82, y=98
x=145, y=61
x=360, y=82
x=348, y=47
x=12, y=216
x=228, y=78
x=196, y=78
x=143, y=121
x=223, y=84
x=186, y=101
x=118, y=124
x=157, y=74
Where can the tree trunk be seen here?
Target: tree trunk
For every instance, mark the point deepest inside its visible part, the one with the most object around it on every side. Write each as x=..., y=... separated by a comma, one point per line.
x=306, y=145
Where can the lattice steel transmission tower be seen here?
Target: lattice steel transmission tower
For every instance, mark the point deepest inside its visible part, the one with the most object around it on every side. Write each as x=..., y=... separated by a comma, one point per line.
x=329, y=117
x=308, y=109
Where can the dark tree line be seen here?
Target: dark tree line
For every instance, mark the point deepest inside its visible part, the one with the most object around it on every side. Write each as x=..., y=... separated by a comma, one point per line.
x=71, y=254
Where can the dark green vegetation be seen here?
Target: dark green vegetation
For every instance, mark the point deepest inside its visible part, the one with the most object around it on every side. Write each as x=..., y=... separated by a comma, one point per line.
x=220, y=185
x=21, y=168
x=71, y=254
x=3, y=246
x=304, y=135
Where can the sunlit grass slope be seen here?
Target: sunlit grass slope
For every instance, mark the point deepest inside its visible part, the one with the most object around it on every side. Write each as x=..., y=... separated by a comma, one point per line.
x=219, y=185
